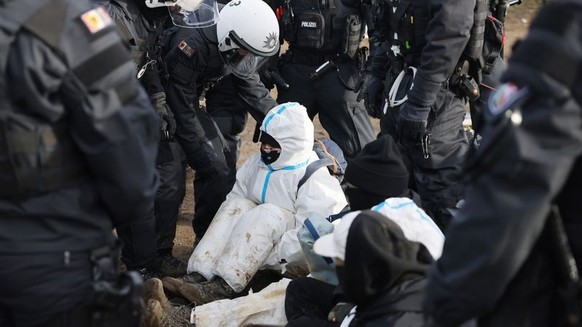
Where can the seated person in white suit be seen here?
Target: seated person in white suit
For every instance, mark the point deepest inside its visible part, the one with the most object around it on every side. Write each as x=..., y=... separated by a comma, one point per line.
x=256, y=226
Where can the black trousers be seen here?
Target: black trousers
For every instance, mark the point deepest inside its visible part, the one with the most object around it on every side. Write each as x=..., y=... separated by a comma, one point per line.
x=139, y=238
x=308, y=301
x=169, y=197
x=436, y=175
x=333, y=98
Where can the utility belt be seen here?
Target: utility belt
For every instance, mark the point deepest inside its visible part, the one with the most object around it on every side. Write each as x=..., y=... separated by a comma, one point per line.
x=116, y=298
x=327, y=62
x=401, y=75
x=315, y=59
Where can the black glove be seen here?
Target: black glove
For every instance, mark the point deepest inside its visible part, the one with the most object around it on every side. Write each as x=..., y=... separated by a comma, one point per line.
x=371, y=90
x=269, y=74
x=371, y=85
x=340, y=311
x=412, y=122
x=167, y=121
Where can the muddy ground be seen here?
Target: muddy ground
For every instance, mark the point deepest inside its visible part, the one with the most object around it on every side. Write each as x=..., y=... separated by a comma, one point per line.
x=516, y=27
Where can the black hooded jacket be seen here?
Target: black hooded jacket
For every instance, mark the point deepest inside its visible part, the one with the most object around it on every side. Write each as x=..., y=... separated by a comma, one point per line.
x=383, y=273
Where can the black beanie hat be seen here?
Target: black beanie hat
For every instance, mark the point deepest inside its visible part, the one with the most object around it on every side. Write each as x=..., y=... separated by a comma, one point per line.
x=379, y=169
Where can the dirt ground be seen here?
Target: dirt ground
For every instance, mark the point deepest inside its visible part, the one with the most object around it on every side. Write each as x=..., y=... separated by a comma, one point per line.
x=518, y=20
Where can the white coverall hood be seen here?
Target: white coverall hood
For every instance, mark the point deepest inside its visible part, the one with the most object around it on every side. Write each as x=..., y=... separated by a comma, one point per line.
x=289, y=124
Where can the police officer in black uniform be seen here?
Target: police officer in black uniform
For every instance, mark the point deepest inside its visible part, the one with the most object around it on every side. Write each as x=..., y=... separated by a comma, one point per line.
x=499, y=262
x=322, y=68
x=195, y=60
x=141, y=27
x=423, y=63
x=78, y=149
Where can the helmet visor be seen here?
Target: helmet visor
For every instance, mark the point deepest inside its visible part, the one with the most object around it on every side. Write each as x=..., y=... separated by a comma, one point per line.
x=205, y=14
x=242, y=63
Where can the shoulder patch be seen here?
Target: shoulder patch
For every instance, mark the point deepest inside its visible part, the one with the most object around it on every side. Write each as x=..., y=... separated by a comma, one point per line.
x=504, y=97
x=186, y=49
x=96, y=19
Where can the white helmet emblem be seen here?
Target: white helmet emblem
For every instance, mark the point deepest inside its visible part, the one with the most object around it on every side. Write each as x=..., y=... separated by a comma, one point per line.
x=271, y=41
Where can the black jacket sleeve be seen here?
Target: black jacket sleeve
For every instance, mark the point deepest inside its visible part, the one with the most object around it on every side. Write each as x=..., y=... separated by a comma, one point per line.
x=447, y=34
x=256, y=95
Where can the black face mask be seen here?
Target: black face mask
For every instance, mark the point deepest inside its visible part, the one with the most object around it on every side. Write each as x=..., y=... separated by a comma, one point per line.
x=360, y=200
x=270, y=157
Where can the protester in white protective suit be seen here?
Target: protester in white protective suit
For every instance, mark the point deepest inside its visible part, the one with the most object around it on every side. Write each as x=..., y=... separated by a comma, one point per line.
x=256, y=226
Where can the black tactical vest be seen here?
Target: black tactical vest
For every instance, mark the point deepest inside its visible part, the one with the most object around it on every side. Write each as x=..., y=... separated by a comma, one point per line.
x=35, y=156
x=409, y=18
x=324, y=26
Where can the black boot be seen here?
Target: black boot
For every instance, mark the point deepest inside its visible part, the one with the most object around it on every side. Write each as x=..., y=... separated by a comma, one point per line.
x=168, y=265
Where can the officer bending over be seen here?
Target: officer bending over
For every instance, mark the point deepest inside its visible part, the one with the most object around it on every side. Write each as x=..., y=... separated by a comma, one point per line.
x=147, y=244
x=197, y=58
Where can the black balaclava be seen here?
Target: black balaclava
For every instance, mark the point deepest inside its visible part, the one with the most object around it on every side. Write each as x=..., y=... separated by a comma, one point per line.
x=271, y=156
x=361, y=200
x=379, y=257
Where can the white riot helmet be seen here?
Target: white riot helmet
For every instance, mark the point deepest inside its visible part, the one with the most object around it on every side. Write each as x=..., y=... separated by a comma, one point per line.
x=248, y=34
x=189, y=13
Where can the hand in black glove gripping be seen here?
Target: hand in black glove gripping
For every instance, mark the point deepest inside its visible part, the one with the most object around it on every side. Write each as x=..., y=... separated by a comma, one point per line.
x=370, y=90
x=412, y=121
x=167, y=121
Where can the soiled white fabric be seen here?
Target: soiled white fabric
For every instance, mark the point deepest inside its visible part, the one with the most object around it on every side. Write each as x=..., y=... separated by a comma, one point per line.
x=415, y=223
x=265, y=308
x=257, y=225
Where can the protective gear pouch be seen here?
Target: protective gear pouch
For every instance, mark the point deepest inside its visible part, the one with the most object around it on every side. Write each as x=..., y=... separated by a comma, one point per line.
x=310, y=30
x=353, y=35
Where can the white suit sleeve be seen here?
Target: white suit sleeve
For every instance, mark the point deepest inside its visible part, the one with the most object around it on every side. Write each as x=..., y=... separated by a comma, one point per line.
x=320, y=195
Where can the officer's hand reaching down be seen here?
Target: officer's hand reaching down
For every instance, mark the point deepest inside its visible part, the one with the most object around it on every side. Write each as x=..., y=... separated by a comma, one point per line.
x=371, y=85
x=370, y=90
x=167, y=121
x=412, y=121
